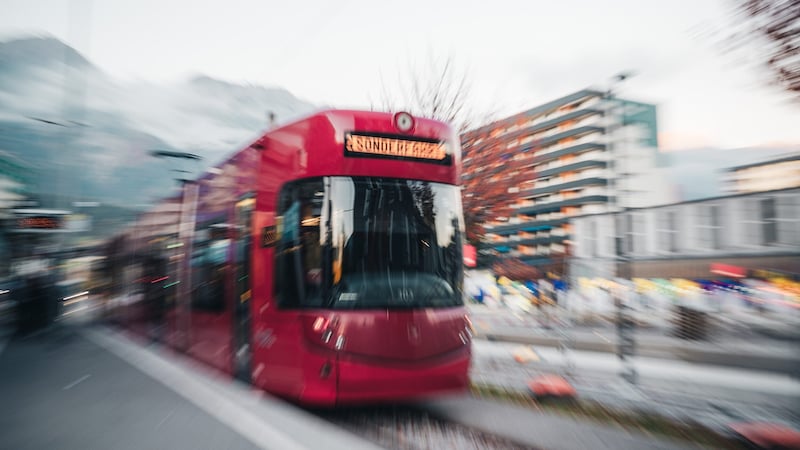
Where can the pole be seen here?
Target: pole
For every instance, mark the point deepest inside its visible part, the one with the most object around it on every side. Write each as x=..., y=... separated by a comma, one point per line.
x=626, y=341
x=186, y=237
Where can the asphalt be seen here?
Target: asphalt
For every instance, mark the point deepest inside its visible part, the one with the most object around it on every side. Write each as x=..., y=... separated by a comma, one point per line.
x=68, y=388
x=61, y=391
x=542, y=430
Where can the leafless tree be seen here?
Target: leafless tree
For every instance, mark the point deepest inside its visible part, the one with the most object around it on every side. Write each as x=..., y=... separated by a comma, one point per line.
x=438, y=89
x=769, y=31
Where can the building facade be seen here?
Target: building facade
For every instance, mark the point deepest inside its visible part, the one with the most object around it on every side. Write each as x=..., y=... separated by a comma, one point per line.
x=15, y=186
x=749, y=232
x=15, y=182
x=778, y=173
x=527, y=175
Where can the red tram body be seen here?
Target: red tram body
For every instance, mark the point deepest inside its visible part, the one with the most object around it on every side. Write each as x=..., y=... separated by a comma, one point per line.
x=323, y=263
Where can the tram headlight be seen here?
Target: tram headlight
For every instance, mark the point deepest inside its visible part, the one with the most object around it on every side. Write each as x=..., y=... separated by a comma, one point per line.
x=319, y=324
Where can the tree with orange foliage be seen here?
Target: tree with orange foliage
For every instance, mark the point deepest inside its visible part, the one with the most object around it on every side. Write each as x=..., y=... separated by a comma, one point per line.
x=495, y=175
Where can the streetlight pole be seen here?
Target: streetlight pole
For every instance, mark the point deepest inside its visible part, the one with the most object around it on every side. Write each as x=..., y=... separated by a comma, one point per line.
x=625, y=325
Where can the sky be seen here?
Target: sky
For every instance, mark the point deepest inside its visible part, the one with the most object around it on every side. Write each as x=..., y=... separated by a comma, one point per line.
x=517, y=54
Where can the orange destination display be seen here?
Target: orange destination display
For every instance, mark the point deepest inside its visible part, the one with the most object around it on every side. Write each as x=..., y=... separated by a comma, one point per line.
x=383, y=146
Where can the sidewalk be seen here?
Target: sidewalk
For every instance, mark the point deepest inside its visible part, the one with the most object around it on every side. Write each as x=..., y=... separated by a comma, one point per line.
x=743, y=350
x=543, y=430
x=712, y=396
x=83, y=388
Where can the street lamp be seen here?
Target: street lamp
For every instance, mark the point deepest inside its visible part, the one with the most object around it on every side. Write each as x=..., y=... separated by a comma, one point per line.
x=625, y=325
x=617, y=160
x=611, y=127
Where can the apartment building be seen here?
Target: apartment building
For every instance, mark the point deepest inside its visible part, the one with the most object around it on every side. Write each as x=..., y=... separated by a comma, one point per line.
x=527, y=175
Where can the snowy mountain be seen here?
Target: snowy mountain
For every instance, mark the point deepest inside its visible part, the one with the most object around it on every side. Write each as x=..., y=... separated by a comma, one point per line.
x=85, y=135
x=700, y=173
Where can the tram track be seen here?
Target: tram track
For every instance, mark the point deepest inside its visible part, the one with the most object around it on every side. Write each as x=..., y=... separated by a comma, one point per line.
x=403, y=427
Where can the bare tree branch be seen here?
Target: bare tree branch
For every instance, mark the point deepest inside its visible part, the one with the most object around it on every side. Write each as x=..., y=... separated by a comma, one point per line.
x=769, y=30
x=438, y=90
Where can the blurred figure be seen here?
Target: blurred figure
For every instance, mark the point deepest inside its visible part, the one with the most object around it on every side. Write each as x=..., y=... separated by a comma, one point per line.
x=478, y=296
x=156, y=295
x=38, y=302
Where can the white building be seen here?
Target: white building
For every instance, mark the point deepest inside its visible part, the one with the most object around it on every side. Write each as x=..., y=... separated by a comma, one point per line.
x=752, y=231
x=779, y=173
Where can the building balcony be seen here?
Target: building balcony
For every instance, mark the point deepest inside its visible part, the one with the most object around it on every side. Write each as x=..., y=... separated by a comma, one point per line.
x=571, y=167
x=542, y=240
x=576, y=149
x=594, y=155
x=551, y=123
x=554, y=110
x=557, y=205
x=537, y=117
x=525, y=154
x=537, y=247
x=556, y=187
x=527, y=226
x=536, y=260
x=576, y=132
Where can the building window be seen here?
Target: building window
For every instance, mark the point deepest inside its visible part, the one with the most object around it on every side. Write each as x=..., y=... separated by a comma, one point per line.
x=629, y=234
x=667, y=231
x=709, y=227
x=673, y=231
x=636, y=233
x=769, y=223
x=716, y=228
x=788, y=213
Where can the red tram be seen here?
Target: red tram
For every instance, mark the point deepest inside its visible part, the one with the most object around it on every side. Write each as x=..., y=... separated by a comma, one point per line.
x=323, y=263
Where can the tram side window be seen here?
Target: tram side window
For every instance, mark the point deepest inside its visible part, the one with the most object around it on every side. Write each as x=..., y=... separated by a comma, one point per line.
x=298, y=261
x=208, y=263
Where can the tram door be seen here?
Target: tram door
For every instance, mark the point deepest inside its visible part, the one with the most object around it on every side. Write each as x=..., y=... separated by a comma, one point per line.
x=241, y=310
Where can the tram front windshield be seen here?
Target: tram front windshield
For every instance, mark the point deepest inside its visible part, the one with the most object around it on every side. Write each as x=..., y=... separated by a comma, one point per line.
x=368, y=243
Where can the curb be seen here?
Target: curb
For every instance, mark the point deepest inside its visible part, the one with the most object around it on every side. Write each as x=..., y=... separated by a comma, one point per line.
x=585, y=430
x=686, y=352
